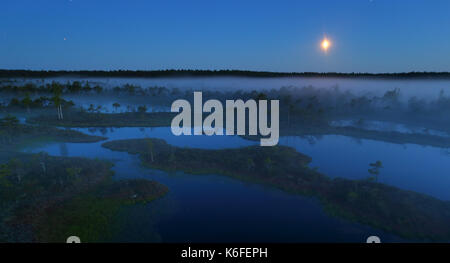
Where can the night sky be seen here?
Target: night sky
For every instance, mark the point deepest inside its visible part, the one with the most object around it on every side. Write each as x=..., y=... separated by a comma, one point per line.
x=365, y=35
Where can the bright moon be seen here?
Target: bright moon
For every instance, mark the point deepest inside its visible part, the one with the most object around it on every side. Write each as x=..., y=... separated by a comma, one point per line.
x=325, y=44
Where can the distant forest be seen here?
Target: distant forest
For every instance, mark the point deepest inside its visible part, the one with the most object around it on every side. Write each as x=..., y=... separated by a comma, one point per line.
x=214, y=73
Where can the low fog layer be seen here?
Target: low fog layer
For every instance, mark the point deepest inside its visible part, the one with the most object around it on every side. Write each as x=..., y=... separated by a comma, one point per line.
x=423, y=88
x=423, y=103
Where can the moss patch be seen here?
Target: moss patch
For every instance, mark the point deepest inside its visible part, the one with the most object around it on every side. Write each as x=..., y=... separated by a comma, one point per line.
x=57, y=197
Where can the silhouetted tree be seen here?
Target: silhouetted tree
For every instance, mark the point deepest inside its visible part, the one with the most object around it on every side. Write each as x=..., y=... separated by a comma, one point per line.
x=27, y=101
x=57, y=90
x=116, y=105
x=375, y=169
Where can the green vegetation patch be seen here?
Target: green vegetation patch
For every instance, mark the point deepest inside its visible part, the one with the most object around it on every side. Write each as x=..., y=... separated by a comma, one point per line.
x=126, y=119
x=92, y=216
x=14, y=135
x=56, y=197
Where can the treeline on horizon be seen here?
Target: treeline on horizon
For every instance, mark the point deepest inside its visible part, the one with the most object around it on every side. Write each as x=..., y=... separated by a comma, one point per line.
x=4, y=73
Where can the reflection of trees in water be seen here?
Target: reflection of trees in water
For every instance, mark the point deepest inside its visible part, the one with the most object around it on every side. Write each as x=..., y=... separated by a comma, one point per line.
x=313, y=139
x=445, y=151
x=356, y=140
x=103, y=131
x=310, y=139
x=63, y=150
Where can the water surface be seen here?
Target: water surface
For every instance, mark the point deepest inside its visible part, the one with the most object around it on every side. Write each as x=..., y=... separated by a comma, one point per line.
x=212, y=208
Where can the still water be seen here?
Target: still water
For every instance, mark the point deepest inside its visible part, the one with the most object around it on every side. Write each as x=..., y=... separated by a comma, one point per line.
x=413, y=167
x=212, y=208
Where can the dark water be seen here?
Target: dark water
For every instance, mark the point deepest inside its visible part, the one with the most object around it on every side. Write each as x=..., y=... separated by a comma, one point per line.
x=212, y=208
x=419, y=168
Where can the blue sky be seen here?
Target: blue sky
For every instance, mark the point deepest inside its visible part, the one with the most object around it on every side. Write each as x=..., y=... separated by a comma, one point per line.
x=366, y=35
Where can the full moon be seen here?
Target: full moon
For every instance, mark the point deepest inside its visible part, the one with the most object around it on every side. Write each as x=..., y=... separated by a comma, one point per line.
x=325, y=44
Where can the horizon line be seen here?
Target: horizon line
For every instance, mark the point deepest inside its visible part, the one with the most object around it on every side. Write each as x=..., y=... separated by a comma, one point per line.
x=4, y=73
